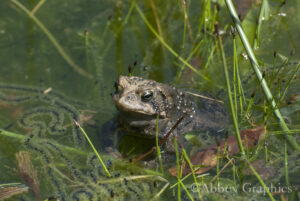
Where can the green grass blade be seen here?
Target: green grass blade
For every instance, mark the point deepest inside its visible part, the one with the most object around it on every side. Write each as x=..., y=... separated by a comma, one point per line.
x=262, y=14
x=178, y=170
x=157, y=146
x=233, y=113
x=192, y=170
x=94, y=149
x=261, y=182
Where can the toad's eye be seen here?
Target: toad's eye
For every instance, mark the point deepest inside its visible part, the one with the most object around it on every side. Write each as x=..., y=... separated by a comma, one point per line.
x=147, y=95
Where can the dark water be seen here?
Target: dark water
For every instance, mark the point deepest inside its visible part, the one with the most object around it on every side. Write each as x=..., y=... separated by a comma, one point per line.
x=100, y=40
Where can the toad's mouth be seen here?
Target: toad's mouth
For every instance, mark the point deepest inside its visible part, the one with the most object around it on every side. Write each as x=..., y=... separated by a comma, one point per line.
x=134, y=119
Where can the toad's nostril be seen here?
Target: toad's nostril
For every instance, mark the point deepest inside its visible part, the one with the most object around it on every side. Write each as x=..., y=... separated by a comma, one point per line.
x=116, y=85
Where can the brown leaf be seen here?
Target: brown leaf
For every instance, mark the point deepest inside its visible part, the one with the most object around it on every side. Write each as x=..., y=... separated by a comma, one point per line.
x=28, y=173
x=207, y=158
x=11, y=191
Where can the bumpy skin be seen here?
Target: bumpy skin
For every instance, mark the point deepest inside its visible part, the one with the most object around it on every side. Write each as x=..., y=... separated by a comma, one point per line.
x=139, y=101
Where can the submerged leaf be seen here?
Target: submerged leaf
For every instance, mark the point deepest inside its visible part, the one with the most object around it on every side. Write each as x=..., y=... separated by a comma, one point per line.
x=207, y=158
x=11, y=191
x=28, y=173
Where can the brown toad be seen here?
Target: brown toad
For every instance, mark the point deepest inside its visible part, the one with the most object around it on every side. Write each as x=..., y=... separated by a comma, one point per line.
x=139, y=101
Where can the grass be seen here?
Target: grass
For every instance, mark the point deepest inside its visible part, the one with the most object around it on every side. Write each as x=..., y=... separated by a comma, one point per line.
x=178, y=170
x=146, y=25
x=261, y=181
x=233, y=112
x=186, y=157
x=158, y=147
x=93, y=147
x=261, y=79
x=166, y=45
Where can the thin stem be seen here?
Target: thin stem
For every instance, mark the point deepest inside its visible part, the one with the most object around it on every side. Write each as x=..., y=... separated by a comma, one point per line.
x=234, y=118
x=157, y=146
x=156, y=18
x=188, y=59
x=178, y=170
x=38, y=6
x=286, y=169
x=192, y=170
x=289, y=81
x=234, y=78
x=261, y=182
x=94, y=149
x=218, y=163
x=263, y=12
x=184, y=23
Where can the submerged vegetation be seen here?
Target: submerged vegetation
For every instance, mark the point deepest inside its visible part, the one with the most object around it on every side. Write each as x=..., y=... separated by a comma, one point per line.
x=59, y=60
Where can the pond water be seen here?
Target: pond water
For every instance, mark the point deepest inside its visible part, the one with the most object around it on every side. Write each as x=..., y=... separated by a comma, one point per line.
x=59, y=61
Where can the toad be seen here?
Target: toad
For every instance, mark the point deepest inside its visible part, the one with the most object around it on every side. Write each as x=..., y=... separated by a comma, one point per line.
x=141, y=101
